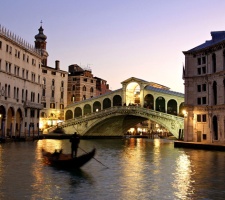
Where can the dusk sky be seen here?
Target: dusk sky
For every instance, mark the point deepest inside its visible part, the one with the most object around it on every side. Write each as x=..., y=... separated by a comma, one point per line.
x=118, y=39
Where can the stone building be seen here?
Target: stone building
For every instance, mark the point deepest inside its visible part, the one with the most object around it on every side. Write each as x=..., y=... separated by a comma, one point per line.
x=83, y=85
x=204, y=80
x=54, y=86
x=20, y=86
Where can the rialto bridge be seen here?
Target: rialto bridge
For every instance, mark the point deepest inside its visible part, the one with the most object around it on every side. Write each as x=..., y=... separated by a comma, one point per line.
x=112, y=114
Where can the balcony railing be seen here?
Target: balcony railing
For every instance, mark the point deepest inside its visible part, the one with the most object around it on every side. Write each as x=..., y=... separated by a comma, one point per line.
x=29, y=104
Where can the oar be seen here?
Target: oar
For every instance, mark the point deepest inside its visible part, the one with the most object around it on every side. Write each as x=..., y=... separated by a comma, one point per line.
x=94, y=158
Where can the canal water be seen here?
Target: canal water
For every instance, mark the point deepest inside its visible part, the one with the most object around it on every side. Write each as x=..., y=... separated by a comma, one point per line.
x=136, y=169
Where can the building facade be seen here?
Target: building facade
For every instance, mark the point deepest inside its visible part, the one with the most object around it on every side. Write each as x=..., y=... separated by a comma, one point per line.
x=20, y=86
x=204, y=80
x=83, y=85
x=54, y=87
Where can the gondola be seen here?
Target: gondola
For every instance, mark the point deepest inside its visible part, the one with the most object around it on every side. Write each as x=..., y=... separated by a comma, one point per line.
x=64, y=161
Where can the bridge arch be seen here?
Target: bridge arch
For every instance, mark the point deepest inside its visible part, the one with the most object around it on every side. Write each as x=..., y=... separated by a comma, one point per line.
x=181, y=108
x=96, y=106
x=106, y=103
x=69, y=115
x=117, y=100
x=133, y=93
x=149, y=101
x=160, y=104
x=172, y=107
x=120, y=119
x=77, y=112
x=87, y=109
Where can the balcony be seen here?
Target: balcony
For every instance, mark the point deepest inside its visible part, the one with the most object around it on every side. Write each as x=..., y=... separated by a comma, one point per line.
x=29, y=104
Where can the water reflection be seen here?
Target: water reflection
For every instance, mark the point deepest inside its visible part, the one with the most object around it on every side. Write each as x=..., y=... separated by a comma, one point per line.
x=138, y=169
x=182, y=176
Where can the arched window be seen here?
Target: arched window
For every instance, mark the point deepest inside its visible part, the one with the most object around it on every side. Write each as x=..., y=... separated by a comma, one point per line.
x=215, y=127
x=84, y=88
x=44, y=81
x=62, y=84
x=214, y=63
x=172, y=107
x=74, y=87
x=215, y=93
x=73, y=98
x=53, y=82
x=92, y=90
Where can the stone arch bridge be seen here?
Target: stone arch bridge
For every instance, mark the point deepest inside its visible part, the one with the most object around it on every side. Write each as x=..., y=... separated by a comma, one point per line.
x=115, y=121
x=114, y=113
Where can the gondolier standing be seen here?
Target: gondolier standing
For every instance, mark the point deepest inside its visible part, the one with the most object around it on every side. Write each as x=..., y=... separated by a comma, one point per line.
x=75, y=140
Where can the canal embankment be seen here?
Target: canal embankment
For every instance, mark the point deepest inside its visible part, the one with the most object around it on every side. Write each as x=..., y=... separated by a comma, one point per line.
x=198, y=145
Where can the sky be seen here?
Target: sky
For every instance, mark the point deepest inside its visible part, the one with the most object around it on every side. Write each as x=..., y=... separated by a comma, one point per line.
x=118, y=39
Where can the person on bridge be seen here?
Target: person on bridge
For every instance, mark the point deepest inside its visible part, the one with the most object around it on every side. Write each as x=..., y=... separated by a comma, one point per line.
x=75, y=140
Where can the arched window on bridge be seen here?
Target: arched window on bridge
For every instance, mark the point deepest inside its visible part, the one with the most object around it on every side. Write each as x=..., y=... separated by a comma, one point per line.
x=87, y=109
x=77, y=112
x=133, y=93
x=69, y=114
x=181, y=108
x=160, y=104
x=149, y=101
x=117, y=100
x=172, y=107
x=106, y=103
x=96, y=106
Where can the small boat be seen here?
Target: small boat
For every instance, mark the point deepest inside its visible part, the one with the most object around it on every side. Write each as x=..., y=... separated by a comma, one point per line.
x=60, y=160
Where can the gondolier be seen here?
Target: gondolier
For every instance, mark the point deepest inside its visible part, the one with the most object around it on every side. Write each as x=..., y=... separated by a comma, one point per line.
x=75, y=140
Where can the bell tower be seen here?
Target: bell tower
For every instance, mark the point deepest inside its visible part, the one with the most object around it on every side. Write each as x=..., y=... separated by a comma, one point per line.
x=40, y=44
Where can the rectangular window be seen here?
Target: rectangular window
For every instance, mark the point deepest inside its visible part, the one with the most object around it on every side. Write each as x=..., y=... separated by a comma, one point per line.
x=24, y=57
x=199, y=71
x=33, y=62
x=199, y=61
x=7, y=48
x=199, y=118
x=203, y=60
x=203, y=100
x=204, y=87
x=53, y=73
x=199, y=88
x=199, y=101
x=204, y=70
x=23, y=73
x=44, y=71
x=15, y=70
x=204, y=118
x=27, y=73
x=0, y=44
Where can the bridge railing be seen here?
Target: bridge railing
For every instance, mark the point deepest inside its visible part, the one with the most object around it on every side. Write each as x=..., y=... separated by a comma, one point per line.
x=118, y=109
